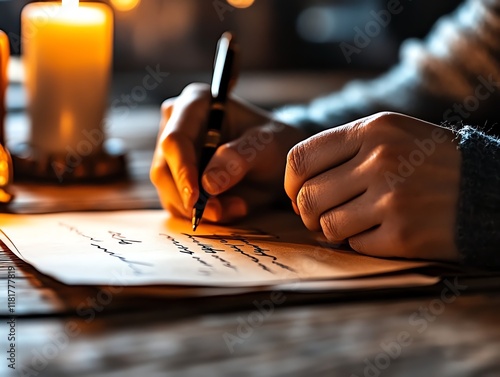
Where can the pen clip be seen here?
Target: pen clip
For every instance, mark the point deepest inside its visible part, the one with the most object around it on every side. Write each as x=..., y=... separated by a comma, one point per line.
x=225, y=71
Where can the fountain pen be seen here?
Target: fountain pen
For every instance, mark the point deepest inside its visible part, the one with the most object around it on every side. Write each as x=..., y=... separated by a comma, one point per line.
x=223, y=78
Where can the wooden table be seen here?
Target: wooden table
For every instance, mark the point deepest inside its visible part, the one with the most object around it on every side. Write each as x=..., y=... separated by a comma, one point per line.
x=78, y=331
x=407, y=333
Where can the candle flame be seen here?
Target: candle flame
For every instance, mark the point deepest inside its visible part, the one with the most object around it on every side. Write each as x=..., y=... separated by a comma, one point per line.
x=70, y=3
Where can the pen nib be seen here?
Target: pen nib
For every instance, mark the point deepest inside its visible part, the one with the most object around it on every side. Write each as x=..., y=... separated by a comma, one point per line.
x=196, y=222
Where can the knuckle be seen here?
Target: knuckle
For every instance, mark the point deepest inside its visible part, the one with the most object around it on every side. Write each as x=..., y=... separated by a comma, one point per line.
x=194, y=96
x=197, y=88
x=167, y=105
x=183, y=174
x=170, y=141
x=385, y=155
x=378, y=125
x=388, y=118
x=297, y=160
x=306, y=200
x=331, y=226
x=398, y=202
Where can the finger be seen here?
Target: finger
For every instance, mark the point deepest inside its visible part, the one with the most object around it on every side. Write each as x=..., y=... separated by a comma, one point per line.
x=350, y=219
x=225, y=209
x=167, y=191
x=184, y=118
x=373, y=242
x=236, y=159
x=236, y=203
x=180, y=156
x=321, y=152
x=166, y=112
x=226, y=168
x=189, y=113
x=329, y=190
x=383, y=241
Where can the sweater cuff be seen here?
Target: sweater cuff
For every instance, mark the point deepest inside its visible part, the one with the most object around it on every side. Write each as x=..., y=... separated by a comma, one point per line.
x=478, y=220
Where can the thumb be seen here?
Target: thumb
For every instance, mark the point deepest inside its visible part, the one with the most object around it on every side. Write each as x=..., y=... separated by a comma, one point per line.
x=229, y=165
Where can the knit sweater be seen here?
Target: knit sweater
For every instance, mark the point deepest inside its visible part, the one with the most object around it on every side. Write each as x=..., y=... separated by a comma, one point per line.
x=453, y=77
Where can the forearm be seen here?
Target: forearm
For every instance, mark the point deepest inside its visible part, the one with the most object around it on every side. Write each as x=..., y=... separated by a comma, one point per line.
x=436, y=79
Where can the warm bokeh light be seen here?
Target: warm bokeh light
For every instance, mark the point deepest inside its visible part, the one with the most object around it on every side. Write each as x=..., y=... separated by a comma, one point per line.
x=4, y=173
x=240, y=3
x=5, y=170
x=125, y=5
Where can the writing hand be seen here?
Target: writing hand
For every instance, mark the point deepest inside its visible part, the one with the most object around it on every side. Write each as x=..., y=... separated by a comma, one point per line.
x=245, y=173
x=388, y=183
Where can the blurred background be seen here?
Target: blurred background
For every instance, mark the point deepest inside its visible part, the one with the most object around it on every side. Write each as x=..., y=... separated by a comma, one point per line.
x=280, y=40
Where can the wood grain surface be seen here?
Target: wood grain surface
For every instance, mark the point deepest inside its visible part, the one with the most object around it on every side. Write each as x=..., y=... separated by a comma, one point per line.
x=76, y=332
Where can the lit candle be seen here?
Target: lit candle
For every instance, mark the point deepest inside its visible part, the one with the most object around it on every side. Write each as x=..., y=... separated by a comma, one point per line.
x=67, y=53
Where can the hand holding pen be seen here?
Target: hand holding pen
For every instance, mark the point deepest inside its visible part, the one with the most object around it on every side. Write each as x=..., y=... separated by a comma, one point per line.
x=246, y=171
x=223, y=80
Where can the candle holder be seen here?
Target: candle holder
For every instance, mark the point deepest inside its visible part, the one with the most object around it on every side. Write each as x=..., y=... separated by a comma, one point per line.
x=107, y=164
x=67, y=54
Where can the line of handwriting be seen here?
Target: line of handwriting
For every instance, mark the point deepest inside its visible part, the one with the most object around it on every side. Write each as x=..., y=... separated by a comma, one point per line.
x=133, y=265
x=185, y=250
x=122, y=240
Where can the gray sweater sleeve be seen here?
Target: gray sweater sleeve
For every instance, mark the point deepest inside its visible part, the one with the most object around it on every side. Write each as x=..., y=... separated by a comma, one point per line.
x=478, y=220
x=451, y=76
x=436, y=78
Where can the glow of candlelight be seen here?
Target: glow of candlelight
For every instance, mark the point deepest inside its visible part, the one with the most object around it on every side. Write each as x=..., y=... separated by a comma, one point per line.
x=70, y=3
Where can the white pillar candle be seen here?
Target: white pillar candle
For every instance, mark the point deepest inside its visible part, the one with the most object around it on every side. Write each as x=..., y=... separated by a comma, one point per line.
x=67, y=53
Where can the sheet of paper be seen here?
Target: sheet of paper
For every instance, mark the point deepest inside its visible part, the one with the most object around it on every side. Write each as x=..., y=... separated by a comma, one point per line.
x=149, y=247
